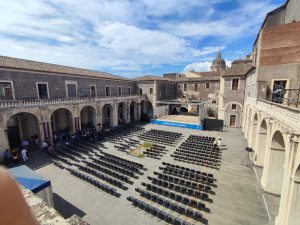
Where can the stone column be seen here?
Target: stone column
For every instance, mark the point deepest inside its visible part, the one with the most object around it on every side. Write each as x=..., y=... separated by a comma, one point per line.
x=3, y=142
x=263, y=179
x=114, y=118
x=288, y=210
x=139, y=111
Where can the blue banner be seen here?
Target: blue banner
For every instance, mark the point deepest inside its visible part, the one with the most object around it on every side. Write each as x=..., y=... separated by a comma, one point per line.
x=175, y=124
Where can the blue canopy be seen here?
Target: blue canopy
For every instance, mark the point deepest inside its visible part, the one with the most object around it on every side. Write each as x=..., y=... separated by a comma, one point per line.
x=29, y=179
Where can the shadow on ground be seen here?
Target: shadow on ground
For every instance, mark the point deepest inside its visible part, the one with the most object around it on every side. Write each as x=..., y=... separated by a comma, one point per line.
x=65, y=208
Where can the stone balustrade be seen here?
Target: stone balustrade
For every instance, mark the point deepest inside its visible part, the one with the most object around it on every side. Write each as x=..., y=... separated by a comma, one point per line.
x=288, y=115
x=54, y=101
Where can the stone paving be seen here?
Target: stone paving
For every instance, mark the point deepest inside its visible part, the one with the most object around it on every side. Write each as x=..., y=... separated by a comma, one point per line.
x=238, y=199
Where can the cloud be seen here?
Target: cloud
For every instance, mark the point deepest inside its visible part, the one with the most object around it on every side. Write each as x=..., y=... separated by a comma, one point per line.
x=124, y=36
x=198, y=67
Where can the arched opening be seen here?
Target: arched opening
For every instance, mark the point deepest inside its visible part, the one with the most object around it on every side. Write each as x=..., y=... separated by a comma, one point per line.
x=22, y=127
x=107, y=116
x=294, y=216
x=88, y=117
x=275, y=169
x=61, y=122
x=183, y=110
x=261, y=144
x=122, y=113
x=132, y=111
x=146, y=111
x=254, y=131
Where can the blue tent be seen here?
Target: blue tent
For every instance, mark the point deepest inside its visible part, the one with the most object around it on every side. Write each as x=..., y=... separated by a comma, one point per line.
x=29, y=179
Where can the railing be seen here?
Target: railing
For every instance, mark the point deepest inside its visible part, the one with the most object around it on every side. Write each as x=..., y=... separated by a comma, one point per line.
x=54, y=101
x=289, y=97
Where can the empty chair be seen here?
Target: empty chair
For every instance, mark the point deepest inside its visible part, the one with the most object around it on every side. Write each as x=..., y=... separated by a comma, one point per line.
x=170, y=219
x=160, y=201
x=181, y=210
x=174, y=207
x=186, y=201
x=178, y=198
x=189, y=213
x=161, y=215
x=198, y=216
x=177, y=221
x=154, y=211
x=167, y=204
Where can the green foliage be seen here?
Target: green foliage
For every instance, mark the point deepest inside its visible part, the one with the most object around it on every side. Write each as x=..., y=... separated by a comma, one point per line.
x=211, y=112
x=141, y=155
x=147, y=145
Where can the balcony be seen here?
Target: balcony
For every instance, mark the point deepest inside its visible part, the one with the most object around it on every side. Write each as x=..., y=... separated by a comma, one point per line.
x=54, y=101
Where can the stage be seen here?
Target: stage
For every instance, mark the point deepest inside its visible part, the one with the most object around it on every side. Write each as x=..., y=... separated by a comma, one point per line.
x=191, y=122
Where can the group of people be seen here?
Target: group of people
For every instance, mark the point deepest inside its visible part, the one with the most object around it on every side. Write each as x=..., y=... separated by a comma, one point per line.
x=15, y=154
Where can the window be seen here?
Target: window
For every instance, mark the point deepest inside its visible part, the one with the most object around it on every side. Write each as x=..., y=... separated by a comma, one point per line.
x=119, y=91
x=93, y=91
x=6, y=90
x=71, y=88
x=196, y=87
x=151, y=90
x=42, y=90
x=235, y=84
x=141, y=91
x=233, y=107
x=207, y=85
x=129, y=91
x=107, y=90
x=184, y=87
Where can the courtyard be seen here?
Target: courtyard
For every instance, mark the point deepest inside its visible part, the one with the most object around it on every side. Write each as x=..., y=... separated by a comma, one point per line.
x=238, y=197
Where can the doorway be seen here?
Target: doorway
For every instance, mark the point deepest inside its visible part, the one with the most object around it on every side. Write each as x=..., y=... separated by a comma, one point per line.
x=232, y=121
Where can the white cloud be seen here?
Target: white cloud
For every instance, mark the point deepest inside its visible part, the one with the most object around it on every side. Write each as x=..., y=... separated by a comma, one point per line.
x=198, y=67
x=121, y=35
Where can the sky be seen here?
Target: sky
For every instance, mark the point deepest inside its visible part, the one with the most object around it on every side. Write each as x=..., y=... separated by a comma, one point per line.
x=131, y=37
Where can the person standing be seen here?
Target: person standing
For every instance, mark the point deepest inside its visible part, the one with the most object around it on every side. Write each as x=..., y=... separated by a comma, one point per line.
x=24, y=154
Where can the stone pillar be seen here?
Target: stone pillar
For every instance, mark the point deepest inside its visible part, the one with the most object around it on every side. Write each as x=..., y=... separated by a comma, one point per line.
x=139, y=111
x=3, y=142
x=128, y=112
x=114, y=116
x=289, y=212
x=263, y=179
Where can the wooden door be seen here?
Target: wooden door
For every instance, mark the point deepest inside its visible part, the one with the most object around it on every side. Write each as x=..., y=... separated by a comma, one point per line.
x=232, y=122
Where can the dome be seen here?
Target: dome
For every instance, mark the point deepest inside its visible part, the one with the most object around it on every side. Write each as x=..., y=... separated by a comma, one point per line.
x=218, y=64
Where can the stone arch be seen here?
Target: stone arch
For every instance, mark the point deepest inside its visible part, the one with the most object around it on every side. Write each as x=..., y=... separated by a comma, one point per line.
x=22, y=126
x=261, y=143
x=122, y=113
x=233, y=117
x=61, y=121
x=183, y=110
x=146, y=110
x=107, y=116
x=275, y=168
x=294, y=216
x=254, y=131
x=233, y=102
x=88, y=117
x=133, y=111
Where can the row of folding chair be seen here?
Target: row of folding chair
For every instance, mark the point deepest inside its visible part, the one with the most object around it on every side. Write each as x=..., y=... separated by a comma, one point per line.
x=129, y=162
x=110, y=172
x=195, y=156
x=196, y=161
x=187, y=169
x=119, y=163
x=172, y=205
x=104, y=177
x=157, y=212
x=183, y=182
x=113, y=167
x=177, y=197
x=187, y=174
x=181, y=189
x=94, y=182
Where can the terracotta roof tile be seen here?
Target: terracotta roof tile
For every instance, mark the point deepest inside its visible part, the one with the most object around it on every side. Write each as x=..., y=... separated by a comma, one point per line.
x=14, y=63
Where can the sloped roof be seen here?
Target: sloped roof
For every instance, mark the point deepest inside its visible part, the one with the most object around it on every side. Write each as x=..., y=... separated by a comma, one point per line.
x=151, y=78
x=15, y=63
x=206, y=74
x=238, y=68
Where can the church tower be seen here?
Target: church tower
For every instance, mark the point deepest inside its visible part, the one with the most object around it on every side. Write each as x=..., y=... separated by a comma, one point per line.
x=218, y=64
